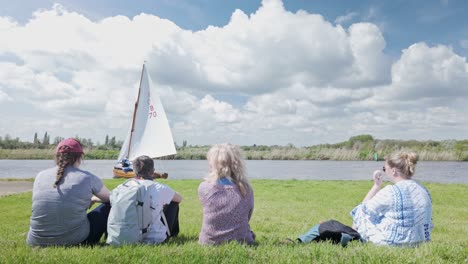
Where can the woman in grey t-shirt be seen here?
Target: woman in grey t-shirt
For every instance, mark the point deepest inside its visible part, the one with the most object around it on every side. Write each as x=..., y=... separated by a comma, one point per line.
x=61, y=197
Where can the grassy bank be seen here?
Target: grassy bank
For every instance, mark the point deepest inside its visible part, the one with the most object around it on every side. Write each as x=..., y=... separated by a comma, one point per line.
x=282, y=209
x=361, y=147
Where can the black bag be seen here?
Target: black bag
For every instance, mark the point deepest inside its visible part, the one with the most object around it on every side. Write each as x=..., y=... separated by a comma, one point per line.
x=333, y=230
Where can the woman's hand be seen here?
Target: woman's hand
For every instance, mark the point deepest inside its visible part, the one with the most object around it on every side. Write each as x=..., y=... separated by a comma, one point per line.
x=94, y=199
x=378, y=178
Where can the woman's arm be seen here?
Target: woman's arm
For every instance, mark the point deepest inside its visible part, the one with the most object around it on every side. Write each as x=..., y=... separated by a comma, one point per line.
x=377, y=177
x=177, y=198
x=102, y=196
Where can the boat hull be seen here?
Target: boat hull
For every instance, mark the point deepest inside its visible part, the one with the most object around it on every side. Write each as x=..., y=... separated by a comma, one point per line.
x=130, y=174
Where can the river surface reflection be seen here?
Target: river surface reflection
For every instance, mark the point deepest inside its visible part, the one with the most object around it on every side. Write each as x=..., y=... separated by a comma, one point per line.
x=441, y=172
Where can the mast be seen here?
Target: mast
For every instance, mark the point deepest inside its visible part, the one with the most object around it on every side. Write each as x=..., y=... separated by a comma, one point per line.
x=134, y=112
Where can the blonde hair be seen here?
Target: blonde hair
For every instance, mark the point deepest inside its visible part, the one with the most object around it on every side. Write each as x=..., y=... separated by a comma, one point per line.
x=404, y=162
x=226, y=161
x=63, y=160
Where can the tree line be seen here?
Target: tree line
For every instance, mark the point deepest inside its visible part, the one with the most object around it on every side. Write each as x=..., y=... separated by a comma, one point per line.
x=360, y=147
x=44, y=142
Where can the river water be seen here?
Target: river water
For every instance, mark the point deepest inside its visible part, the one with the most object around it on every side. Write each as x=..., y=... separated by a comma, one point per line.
x=441, y=172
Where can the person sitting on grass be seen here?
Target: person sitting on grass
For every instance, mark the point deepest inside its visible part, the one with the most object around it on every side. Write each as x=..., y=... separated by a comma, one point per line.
x=61, y=195
x=398, y=215
x=226, y=197
x=163, y=200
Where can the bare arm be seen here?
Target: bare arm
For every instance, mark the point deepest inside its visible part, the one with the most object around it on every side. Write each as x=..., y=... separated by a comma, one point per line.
x=177, y=198
x=102, y=196
x=377, y=177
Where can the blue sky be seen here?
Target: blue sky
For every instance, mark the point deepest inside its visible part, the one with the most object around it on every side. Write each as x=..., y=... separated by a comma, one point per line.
x=301, y=72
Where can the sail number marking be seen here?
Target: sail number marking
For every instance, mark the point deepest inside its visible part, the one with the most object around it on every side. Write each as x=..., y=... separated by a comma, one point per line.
x=152, y=112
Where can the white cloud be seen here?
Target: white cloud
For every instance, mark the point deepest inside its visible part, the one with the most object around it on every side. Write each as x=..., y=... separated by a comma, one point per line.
x=220, y=111
x=4, y=96
x=21, y=81
x=271, y=49
x=371, y=66
x=291, y=78
x=424, y=71
x=346, y=18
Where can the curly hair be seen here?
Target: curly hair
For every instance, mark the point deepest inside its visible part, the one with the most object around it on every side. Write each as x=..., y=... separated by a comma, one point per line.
x=226, y=161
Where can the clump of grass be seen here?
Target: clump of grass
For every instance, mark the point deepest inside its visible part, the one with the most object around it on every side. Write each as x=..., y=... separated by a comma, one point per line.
x=282, y=209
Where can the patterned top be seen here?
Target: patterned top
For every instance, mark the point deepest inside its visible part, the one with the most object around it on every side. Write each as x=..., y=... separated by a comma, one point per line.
x=226, y=214
x=399, y=214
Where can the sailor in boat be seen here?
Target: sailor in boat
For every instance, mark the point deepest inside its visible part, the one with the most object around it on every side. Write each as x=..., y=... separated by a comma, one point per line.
x=124, y=165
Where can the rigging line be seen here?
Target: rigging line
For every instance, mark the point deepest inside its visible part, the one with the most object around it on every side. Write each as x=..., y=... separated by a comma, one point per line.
x=134, y=112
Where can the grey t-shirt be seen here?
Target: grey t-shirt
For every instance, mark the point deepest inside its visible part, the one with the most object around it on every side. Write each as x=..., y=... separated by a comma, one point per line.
x=59, y=214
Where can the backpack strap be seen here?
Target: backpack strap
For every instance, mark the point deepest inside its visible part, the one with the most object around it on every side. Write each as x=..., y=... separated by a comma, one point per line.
x=163, y=216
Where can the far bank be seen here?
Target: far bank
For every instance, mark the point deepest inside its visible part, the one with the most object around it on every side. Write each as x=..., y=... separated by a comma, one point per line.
x=253, y=153
x=361, y=147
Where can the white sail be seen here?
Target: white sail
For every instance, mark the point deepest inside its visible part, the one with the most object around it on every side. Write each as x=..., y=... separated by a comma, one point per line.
x=151, y=134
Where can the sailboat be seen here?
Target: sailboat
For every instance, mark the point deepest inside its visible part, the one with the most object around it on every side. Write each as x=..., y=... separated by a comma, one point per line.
x=149, y=132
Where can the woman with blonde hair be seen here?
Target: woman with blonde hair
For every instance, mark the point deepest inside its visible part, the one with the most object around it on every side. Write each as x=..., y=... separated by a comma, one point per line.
x=60, y=199
x=227, y=198
x=399, y=214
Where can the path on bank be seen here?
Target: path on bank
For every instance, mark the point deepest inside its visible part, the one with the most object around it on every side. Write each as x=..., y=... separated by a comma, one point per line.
x=12, y=187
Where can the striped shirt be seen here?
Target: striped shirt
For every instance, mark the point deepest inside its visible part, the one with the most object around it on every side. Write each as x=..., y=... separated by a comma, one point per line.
x=399, y=214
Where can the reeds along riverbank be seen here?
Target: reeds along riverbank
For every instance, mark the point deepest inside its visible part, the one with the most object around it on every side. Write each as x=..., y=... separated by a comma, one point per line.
x=30, y=154
x=252, y=153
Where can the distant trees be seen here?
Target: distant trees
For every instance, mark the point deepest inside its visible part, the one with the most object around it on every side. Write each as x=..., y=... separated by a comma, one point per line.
x=112, y=142
x=360, y=147
x=57, y=140
x=184, y=145
x=46, y=139
x=7, y=142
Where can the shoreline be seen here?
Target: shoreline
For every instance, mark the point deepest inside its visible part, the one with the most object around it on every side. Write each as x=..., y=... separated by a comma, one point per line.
x=13, y=186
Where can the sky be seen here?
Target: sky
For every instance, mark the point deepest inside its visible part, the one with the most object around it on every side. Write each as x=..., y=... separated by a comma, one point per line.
x=248, y=72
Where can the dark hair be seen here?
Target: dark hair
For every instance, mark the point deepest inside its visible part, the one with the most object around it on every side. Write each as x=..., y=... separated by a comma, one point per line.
x=63, y=160
x=144, y=167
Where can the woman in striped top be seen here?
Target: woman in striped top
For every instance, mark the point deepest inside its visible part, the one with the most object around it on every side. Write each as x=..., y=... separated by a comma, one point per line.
x=399, y=214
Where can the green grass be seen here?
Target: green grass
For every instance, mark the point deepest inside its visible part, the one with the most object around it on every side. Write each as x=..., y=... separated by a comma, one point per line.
x=282, y=209
x=16, y=179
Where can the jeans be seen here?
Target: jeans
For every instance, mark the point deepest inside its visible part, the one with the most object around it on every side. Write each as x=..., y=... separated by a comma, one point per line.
x=171, y=211
x=97, y=224
x=310, y=235
x=330, y=230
